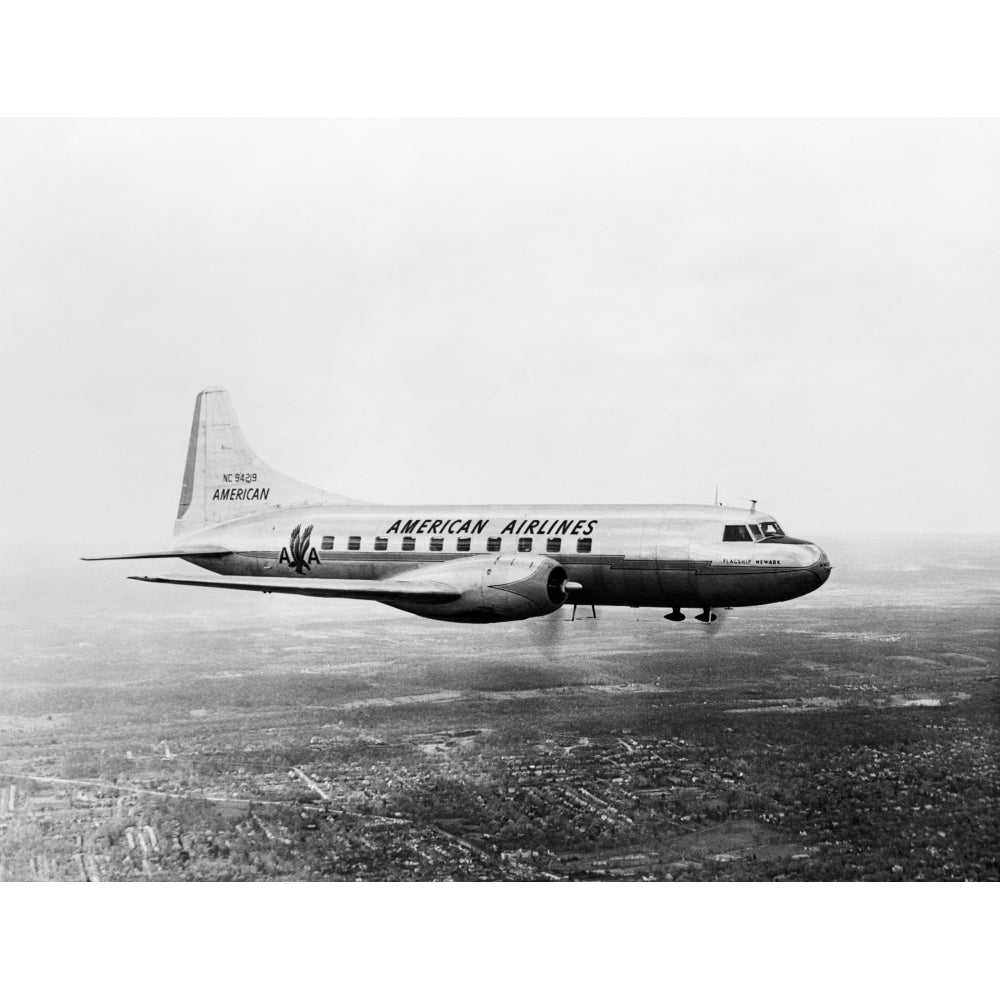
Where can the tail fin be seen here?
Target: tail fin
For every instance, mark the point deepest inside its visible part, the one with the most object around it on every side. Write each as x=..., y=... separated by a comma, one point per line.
x=224, y=479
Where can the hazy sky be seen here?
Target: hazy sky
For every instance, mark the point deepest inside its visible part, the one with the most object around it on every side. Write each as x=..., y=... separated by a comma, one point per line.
x=805, y=312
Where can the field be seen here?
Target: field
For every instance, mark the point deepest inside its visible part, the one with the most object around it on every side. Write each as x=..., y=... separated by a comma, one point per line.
x=152, y=733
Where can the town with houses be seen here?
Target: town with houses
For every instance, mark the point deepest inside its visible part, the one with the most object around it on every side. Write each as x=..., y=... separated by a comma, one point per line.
x=465, y=805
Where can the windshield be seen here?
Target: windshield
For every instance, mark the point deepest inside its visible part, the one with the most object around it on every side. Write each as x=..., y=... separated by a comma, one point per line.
x=752, y=532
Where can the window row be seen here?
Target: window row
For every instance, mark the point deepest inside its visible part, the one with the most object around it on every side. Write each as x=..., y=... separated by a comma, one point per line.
x=462, y=544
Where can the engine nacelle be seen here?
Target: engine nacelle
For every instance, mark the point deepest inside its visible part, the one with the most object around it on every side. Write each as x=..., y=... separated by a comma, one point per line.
x=494, y=588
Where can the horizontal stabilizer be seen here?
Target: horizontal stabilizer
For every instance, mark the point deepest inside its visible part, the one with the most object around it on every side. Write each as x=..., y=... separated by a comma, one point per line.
x=364, y=590
x=201, y=551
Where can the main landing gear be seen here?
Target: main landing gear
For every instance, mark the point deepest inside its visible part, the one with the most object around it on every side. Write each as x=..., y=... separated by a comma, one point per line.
x=706, y=617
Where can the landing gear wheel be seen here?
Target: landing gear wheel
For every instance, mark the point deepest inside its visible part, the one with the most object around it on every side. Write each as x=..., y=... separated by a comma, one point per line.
x=675, y=616
x=707, y=616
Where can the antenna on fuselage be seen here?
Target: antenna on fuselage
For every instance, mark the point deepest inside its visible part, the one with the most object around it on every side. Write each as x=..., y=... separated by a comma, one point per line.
x=716, y=495
x=753, y=506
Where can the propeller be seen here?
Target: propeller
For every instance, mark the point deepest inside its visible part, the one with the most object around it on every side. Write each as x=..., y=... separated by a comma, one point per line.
x=547, y=630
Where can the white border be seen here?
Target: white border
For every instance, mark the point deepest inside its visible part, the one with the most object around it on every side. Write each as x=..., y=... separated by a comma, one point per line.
x=539, y=58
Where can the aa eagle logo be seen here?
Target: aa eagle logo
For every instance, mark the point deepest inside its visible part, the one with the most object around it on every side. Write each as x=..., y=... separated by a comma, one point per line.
x=301, y=555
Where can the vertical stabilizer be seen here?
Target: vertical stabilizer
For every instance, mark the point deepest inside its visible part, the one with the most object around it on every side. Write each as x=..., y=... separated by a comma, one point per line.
x=224, y=479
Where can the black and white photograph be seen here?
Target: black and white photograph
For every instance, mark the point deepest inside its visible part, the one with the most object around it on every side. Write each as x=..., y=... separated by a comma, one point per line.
x=455, y=456
x=647, y=470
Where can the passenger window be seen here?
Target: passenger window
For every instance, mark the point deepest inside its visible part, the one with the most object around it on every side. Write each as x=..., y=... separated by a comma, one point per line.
x=327, y=543
x=553, y=545
x=524, y=545
x=492, y=544
x=736, y=533
x=381, y=544
x=464, y=544
x=409, y=544
x=354, y=543
x=584, y=544
x=437, y=545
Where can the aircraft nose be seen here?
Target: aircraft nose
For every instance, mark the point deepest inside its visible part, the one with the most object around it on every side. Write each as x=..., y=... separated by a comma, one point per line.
x=821, y=567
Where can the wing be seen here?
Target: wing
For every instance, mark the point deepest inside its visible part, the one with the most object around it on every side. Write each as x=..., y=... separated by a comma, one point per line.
x=417, y=592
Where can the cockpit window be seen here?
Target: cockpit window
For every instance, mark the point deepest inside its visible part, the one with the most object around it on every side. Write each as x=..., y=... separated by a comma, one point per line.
x=756, y=531
x=736, y=533
x=771, y=528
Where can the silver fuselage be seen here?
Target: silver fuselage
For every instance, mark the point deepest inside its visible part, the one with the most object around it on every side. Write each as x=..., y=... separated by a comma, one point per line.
x=640, y=555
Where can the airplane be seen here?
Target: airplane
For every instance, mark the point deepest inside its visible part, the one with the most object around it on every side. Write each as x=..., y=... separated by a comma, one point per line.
x=259, y=530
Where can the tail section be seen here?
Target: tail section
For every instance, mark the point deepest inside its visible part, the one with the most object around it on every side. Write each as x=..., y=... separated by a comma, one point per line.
x=224, y=479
